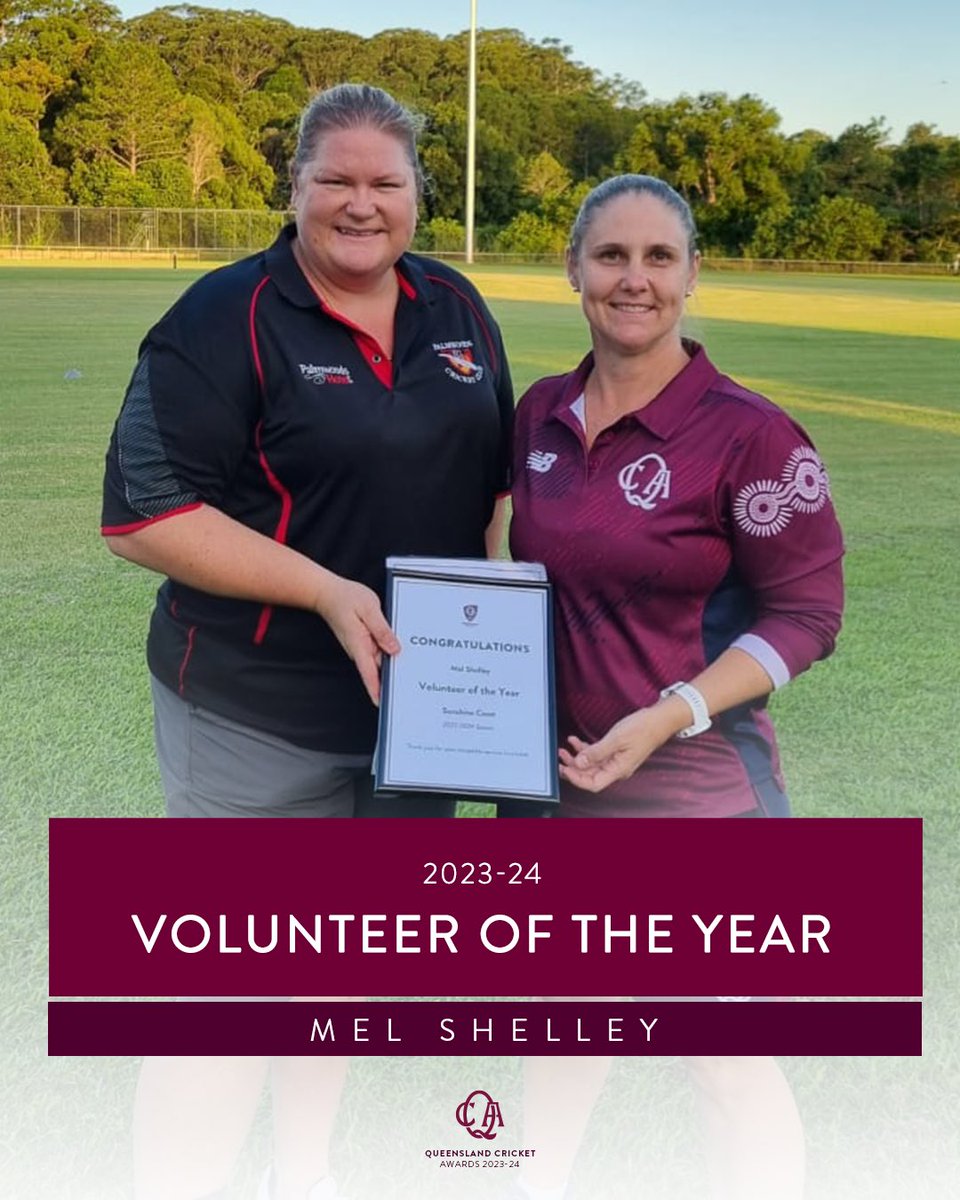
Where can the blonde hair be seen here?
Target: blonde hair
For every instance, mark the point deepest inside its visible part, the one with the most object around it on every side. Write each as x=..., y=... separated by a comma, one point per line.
x=357, y=106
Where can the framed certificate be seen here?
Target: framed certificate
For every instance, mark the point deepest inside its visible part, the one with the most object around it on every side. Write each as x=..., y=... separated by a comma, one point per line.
x=467, y=706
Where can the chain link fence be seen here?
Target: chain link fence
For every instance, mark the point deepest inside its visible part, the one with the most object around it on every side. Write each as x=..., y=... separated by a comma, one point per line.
x=28, y=230
x=36, y=232
x=804, y=266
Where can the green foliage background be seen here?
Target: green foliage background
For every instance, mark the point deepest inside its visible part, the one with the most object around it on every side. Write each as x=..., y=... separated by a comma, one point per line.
x=194, y=107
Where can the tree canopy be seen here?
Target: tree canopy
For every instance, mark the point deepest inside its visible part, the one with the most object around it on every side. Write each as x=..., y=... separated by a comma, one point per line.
x=189, y=106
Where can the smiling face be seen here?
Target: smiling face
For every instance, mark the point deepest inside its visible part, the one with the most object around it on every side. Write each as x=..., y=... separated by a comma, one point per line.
x=356, y=208
x=634, y=269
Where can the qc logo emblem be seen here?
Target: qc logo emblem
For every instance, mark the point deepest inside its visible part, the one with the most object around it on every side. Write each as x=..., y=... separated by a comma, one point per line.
x=645, y=482
x=480, y=1115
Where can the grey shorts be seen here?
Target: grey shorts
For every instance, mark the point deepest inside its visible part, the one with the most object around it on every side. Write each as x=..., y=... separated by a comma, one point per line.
x=211, y=766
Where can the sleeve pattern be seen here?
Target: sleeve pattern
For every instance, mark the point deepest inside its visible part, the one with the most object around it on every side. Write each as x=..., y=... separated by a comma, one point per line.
x=787, y=546
x=149, y=485
x=765, y=507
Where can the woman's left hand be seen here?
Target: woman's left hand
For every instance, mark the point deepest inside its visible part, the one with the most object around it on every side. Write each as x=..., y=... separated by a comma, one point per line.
x=594, y=766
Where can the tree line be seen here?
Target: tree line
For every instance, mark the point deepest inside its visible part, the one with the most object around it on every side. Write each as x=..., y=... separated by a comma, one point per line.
x=193, y=107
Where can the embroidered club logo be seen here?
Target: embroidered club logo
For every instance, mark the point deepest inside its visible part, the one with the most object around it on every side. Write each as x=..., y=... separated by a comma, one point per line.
x=459, y=359
x=766, y=507
x=541, y=461
x=470, y=612
x=645, y=482
x=480, y=1115
x=323, y=375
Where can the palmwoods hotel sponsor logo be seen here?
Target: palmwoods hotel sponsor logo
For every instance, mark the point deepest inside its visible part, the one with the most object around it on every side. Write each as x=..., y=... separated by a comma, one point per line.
x=480, y=1115
x=322, y=375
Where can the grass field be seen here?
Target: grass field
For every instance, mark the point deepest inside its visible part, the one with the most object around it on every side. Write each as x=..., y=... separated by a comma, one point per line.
x=872, y=369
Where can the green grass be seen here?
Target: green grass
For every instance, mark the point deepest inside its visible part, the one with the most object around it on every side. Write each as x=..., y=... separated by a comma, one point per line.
x=871, y=732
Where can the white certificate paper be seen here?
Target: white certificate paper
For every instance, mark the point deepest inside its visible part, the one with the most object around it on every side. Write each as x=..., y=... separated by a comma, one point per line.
x=467, y=705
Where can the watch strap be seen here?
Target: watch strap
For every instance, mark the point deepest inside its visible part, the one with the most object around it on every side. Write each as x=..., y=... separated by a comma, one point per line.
x=697, y=704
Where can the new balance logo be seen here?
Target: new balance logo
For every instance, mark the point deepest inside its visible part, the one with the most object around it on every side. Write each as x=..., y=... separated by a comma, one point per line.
x=541, y=460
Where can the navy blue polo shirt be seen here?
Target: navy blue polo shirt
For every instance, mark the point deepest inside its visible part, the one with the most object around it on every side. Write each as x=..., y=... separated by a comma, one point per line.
x=253, y=397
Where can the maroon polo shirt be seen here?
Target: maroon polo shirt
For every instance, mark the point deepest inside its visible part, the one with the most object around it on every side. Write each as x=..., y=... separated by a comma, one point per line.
x=699, y=522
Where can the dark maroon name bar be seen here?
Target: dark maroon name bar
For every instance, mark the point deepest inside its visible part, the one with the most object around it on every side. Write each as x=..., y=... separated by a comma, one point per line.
x=485, y=908
x=649, y=1027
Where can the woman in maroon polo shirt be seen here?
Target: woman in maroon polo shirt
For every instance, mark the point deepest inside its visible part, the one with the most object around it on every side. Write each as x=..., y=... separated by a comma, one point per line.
x=687, y=528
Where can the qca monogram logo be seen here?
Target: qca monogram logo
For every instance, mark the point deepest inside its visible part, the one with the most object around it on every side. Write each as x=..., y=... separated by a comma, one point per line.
x=645, y=482
x=469, y=1115
x=470, y=612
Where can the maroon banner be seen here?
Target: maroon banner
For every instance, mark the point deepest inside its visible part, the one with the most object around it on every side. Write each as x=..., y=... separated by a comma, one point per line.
x=485, y=908
x=651, y=1027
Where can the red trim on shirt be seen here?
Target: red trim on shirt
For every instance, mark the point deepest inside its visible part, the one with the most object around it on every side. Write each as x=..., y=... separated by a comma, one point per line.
x=113, y=530
x=263, y=624
x=491, y=345
x=405, y=285
x=252, y=317
x=286, y=500
x=181, y=678
x=280, y=533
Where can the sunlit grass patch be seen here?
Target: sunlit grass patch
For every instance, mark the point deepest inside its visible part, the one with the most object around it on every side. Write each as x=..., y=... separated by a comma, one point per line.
x=860, y=305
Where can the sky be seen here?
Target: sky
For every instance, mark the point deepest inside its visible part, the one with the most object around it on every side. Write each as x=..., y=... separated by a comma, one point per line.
x=821, y=64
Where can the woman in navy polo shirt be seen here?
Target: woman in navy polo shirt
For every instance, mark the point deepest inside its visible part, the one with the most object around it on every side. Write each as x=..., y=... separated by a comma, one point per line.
x=687, y=528
x=292, y=421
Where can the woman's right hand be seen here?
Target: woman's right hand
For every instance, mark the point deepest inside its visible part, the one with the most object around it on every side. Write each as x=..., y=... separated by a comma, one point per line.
x=353, y=612
x=206, y=549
